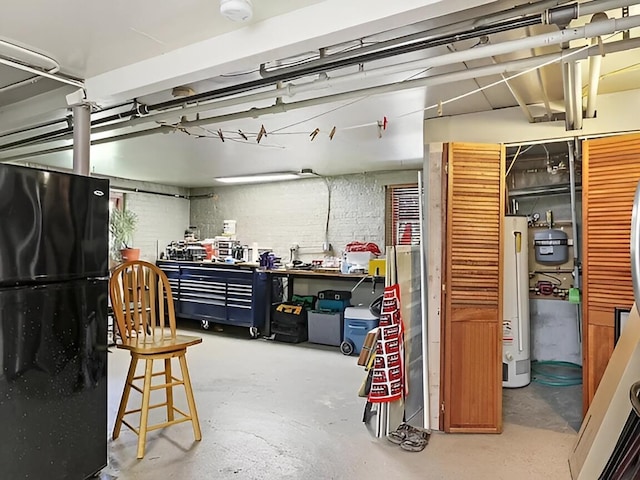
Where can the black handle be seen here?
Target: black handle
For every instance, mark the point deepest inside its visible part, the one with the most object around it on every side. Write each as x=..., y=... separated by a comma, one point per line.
x=635, y=401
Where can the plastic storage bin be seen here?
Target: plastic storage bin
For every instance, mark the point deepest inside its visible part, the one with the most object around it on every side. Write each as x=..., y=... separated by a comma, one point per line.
x=357, y=323
x=325, y=327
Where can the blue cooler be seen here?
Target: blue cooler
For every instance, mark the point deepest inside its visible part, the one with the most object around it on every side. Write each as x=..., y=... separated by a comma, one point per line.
x=357, y=323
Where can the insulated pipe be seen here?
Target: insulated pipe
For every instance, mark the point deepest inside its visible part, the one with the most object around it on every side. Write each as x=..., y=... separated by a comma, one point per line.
x=567, y=84
x=21, y=50
x=471, y=24
x=52, y=69
x=595, y=66
x=27, y=81
x=531, y=42
x=597, y=6
x=507, y=67
x=561, y=15
x=576, y=79
x=58, y=78
x=64, y=148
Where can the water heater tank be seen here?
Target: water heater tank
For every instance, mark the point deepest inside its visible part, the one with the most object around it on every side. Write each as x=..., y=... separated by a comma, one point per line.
x=516, y=363
x=551, y=246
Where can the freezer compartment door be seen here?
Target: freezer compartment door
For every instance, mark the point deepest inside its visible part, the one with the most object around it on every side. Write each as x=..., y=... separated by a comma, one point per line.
x=55, y=226
x=53, y=380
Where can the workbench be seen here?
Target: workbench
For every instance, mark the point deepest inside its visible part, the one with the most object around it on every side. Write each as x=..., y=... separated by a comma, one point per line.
x=355, y=278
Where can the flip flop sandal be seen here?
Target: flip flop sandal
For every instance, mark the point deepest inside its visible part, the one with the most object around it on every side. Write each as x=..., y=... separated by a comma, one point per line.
x=415, y=441
x=399, y=435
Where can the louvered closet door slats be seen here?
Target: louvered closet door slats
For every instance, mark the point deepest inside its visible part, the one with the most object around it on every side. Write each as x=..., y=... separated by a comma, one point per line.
x=611, y=169
x=473, y=289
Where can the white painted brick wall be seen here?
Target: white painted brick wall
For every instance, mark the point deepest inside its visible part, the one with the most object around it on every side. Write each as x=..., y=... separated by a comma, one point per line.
x=278, y=214
x=161, y=219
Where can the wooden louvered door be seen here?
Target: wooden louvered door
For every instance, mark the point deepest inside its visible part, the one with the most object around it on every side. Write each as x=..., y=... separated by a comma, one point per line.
x=611, y=170
x=472, y=390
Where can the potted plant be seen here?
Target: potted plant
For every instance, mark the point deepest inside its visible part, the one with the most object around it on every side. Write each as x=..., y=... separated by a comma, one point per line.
x=122, y=225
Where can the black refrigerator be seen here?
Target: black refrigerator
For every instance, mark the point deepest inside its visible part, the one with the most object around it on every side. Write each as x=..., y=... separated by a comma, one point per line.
x=53, y=339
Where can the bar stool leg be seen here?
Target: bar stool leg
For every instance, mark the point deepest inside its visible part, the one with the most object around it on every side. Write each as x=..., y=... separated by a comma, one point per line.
x=144, y=412
x=189, y=392
x=169, y=390
x=125, y=396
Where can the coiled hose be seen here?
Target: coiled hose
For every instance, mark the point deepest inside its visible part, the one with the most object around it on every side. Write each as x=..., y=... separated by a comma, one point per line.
x=545, y=377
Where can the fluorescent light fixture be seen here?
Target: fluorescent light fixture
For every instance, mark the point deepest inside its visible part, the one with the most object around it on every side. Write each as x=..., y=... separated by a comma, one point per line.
x=268, y=177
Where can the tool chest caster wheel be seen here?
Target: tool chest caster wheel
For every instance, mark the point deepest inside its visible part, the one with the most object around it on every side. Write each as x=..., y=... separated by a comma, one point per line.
x=347, y=347
x=254, y=332
x=205, y=324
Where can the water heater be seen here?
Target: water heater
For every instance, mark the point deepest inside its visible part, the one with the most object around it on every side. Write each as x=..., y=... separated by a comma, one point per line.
x=516, y=357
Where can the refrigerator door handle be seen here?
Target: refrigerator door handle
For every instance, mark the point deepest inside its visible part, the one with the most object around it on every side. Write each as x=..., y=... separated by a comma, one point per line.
x=635, y=246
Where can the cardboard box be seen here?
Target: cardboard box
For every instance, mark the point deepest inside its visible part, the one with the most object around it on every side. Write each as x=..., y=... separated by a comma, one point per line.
x=610, y=407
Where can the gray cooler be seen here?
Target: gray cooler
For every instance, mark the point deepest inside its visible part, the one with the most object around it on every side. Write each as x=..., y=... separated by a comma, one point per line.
x=325, y=327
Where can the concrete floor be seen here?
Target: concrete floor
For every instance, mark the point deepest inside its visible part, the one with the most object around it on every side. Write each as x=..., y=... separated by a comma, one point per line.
x=277, y=411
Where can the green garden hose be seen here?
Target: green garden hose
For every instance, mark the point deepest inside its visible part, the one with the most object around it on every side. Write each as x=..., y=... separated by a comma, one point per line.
x=555, y=380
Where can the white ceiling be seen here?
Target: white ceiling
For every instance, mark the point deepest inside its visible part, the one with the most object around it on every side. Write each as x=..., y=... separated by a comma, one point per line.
x=141, y=49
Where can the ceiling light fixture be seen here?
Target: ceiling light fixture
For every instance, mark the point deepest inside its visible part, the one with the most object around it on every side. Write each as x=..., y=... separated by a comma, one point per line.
x=237, y=10
x=267, y=177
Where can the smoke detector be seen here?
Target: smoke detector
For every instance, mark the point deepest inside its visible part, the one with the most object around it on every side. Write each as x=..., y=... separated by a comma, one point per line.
x=237, y=10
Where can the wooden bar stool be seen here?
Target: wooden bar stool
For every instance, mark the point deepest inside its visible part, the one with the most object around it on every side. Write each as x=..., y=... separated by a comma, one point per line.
x=140, y=297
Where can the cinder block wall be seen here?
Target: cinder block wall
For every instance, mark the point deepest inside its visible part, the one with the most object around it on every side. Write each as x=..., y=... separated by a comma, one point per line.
x=161, y=218
x=278, y=214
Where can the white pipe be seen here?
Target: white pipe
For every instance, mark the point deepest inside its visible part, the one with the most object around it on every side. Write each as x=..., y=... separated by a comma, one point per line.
x=54, y=66
x=41, y=73
x=552, y=38
x=567, y=85
x=522, y=64
x=507, y=67
x=40, y=57
x=576, y=77
x=595, y=66
x=602, y=6
x=424, y=246
x=27, y=81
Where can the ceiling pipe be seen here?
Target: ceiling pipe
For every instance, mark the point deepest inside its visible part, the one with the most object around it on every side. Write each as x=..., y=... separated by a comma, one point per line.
x=504, y=68
x=597, y=6
x=536, y=14
x=587, y=31
x=255, y=84
x=567, y=84
x=576, y=79
x=595, y=67
x=54, y=66
x=100, y=141
x=26, y=68
x=463, y=25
